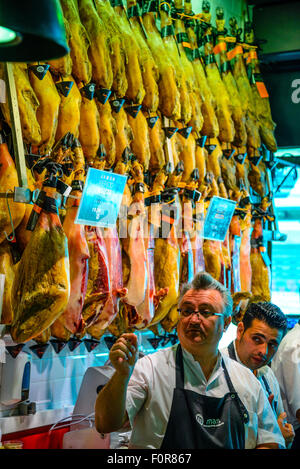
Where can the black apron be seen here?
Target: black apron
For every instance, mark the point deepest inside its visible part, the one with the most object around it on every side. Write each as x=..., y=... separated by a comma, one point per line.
x=204, y=422
x=232, y=355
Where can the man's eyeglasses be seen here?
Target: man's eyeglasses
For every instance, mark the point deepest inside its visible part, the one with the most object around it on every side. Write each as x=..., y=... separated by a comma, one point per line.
x=186, y=312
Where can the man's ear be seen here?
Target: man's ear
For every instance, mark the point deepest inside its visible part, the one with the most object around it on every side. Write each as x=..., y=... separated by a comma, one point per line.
x=227, y=322
x=240, y=330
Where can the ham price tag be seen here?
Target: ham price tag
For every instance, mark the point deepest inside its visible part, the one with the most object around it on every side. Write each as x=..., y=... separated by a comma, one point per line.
x=218, y=218
x=101, y=198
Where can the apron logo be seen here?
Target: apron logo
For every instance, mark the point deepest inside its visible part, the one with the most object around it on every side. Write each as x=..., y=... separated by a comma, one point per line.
x=209, y=422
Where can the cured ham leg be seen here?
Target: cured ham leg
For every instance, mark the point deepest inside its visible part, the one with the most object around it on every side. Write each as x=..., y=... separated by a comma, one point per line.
x=98, y=52
x=7, y=268
x=41, y=287
x=98, y=283
x=8, y=181
x=245, y=249
x=117, y=47
x=135, y=92
x=89, y=129
x=169, y=96
x=260, y=265
x=47, y=112
x=210, y=126
x=79, y=42
x=223, y=105
x=116, y=290
x=167, y=261
x=71, y=321
x=137, y=281
x=238, y=112
x=69, y=112
x=149, y=68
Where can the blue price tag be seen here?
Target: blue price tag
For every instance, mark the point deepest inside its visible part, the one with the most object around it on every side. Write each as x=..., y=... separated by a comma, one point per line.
x=101, y=198
x=218, y=218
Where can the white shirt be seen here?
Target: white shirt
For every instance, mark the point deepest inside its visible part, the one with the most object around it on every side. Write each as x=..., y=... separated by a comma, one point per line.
x=150, y=394
x=267, y=373
x=286, y=367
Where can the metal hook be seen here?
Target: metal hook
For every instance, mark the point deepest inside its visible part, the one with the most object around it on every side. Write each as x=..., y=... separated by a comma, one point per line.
x=12, y=237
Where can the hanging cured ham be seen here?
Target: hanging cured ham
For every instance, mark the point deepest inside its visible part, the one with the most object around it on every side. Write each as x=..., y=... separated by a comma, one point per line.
x=260, y=262
x=149, y=68
x=28, y=104
x=260, y=94
x=62, y=67
x=48, y=109
x=79, y=42
x=8, y=181
x=245, y=250
x=135, y=244
x=157, y=140
x=235, y=55
x=135, y=92
x=71, y=321
x=110, y=308
x=168, y=35
x=210, y=126
x=41, y=287
x=69, y=111
x=107, y=132
x=7, y=268
x=118, y=54
x=167, y=257
x=169, y=96
x=98, y=53
x=124, y=134
x=89, y=129
x=98, y=282
x=238, y=113
x=223, y=104
x=140, y=144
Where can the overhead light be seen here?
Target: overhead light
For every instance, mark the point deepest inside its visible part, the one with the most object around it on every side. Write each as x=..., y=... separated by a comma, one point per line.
x=9, y=37
x=31, y=31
